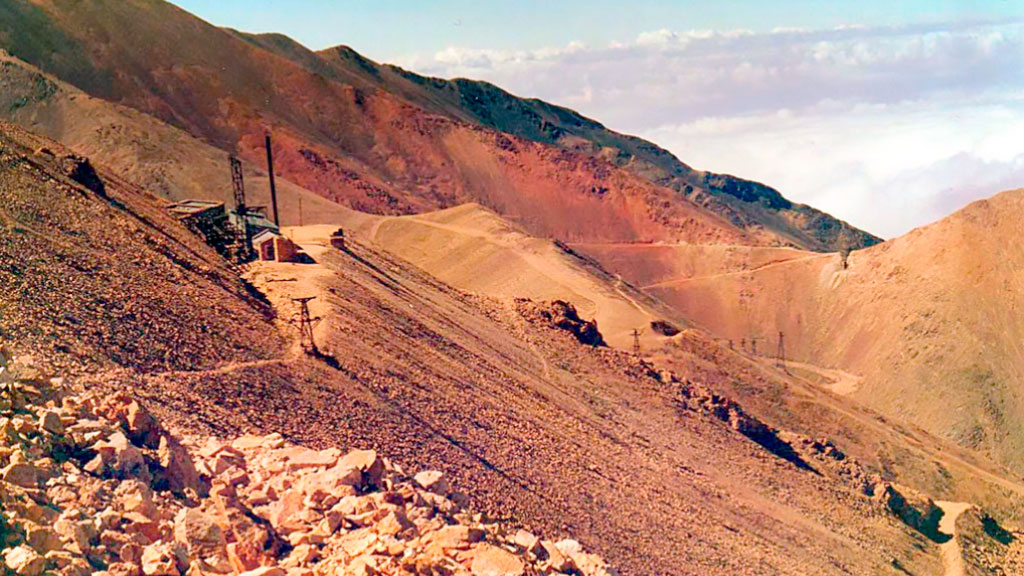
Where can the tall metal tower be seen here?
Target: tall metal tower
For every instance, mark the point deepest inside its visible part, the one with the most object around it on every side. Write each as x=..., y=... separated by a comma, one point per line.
x=245, y=233
x=306, y=323
x=780, y=353
x=753, y=344
x=636, y=341
x=273, y=187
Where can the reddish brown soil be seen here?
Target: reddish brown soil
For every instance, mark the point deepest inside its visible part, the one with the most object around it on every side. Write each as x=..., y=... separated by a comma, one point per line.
x=94, y=280
x=563, y=437
x=363, y=148
x=929, y=323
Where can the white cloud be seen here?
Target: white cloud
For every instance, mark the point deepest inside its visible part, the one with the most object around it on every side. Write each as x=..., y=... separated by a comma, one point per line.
x=887, y=168
x=884, y=126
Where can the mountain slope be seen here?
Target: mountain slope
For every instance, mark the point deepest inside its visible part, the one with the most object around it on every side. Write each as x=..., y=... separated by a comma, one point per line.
x=161, y=158
x=360, y=146
x=474, y=249
x=108, y=277
x=564, y=438
x=746, y=204
x=930, y=322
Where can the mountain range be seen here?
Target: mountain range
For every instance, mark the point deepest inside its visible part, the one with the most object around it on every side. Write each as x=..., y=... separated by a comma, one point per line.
x=379, y=139
x=686, y=371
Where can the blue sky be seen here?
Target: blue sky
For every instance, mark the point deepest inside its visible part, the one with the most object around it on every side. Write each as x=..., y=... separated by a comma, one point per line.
x=890, y=114
x=384, y=29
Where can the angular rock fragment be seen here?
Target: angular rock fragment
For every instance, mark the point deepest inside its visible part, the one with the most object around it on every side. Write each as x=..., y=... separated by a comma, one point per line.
x=24, y=561
x=432, y=481
x=490, y=560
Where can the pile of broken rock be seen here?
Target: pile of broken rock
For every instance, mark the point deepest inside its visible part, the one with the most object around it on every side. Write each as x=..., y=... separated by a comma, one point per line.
x=94, y=484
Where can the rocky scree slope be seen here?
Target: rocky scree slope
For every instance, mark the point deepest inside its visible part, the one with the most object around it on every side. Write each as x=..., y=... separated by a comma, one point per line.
x=94, y=272
x=162, y=159
x=94, y=484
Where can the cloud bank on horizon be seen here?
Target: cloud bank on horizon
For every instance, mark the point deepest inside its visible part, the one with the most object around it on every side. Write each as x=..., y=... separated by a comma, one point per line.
x=889, y=127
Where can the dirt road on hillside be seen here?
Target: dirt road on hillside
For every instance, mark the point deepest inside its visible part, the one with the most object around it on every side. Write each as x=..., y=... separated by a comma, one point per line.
x=769, y=265
x=840, y=382
x=952, y=556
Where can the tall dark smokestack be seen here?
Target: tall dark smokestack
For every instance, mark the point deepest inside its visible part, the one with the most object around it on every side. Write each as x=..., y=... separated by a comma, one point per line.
x=273, y=187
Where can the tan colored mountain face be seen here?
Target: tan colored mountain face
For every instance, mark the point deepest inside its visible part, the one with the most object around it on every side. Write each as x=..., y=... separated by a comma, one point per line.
x=356, y=143
x=567, y=439
x=475, y=250
x=929, y=323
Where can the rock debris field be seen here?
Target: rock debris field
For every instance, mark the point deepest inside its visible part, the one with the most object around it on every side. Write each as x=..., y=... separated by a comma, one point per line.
x=94, y=484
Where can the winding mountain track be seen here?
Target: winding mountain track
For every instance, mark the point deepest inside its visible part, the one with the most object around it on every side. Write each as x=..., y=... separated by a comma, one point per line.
x=841, y=383
x=226, y=368
x=952, y=555
x=772, y=264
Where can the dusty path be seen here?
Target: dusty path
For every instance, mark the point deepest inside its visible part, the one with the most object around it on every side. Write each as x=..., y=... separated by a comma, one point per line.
x=223, y=369
x=772, y=264
x=842, y=383
x=541, y=271
x=952, y=558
